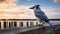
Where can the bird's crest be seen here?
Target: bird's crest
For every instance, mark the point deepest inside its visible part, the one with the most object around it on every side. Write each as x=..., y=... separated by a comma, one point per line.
x=35, y=7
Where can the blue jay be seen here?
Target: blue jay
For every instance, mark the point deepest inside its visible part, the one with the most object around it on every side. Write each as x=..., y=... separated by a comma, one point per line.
x=41, y=15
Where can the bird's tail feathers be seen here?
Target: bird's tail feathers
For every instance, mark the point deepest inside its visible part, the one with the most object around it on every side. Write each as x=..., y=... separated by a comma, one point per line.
x=52, y=26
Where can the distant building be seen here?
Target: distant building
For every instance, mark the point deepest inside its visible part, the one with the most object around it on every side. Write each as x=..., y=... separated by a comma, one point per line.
x=10, y=23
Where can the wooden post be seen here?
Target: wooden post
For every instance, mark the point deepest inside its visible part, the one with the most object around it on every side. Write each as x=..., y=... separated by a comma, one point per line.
x=18, y=24
x=24, y=24
x=2, y=25
x=29, y=24
x=34, y=23
x=8, y=24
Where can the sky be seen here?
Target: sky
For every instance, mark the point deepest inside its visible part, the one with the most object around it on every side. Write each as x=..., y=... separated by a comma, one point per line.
x=19, y=9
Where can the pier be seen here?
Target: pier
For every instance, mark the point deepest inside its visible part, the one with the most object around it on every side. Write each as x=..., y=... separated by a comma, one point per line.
x=26, y=28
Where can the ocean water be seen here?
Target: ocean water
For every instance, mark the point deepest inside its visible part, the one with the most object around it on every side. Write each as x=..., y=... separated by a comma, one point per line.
x=53, y=23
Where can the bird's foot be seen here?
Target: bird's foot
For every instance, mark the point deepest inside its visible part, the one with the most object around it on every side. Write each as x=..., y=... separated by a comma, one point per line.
x=54, y=28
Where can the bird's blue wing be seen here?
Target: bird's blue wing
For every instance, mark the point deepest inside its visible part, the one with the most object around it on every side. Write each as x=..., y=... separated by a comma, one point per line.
x=41, y=16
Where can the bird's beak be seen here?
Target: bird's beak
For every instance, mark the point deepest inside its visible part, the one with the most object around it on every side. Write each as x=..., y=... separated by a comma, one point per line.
x=31, y=8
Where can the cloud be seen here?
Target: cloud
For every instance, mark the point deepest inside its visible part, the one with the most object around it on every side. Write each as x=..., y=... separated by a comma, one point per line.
x=8, y=9
x=8, y=1
x=52, y=12
x=19, y=11
x=16, y=10
x=2, y=1
x=23, y=12
x=56, y=0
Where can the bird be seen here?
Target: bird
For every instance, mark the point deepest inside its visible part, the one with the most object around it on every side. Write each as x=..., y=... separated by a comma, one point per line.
x=41, y=15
